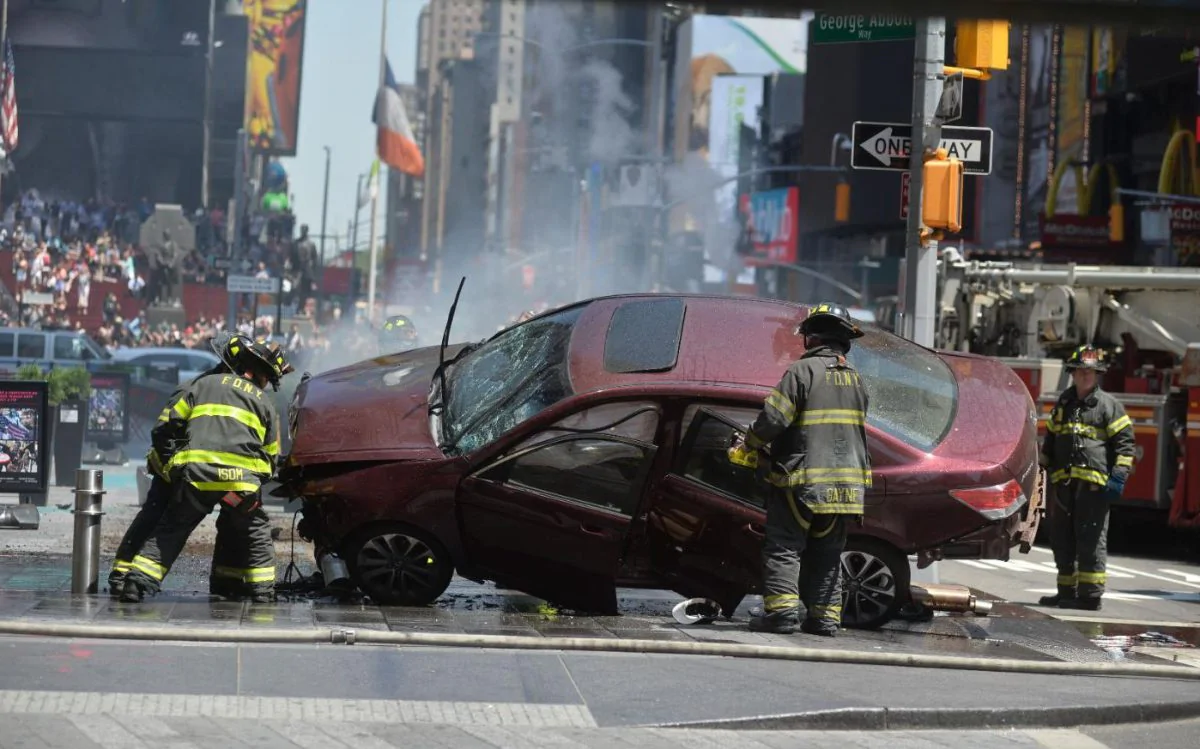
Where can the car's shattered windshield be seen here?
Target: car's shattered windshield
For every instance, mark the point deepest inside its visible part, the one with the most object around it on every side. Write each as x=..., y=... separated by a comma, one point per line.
x=508, y=380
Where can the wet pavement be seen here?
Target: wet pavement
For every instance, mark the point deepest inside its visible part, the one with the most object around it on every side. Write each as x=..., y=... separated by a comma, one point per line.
x=467, y=686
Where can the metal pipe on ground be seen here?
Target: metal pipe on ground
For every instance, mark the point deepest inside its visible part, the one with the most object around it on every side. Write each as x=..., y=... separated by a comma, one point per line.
x=592, y=645
x=19, y=517
x=956, y=598
x=85, y=549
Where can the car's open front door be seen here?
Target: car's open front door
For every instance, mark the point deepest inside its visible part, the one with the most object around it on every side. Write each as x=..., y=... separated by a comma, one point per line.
x=705, y=521
x=551, y=519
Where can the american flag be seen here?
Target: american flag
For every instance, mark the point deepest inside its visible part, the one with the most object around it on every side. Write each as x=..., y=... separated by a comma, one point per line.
x=8, y=99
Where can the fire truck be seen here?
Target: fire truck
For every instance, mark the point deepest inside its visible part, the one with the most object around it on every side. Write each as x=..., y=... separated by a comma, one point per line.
x=1147, y=320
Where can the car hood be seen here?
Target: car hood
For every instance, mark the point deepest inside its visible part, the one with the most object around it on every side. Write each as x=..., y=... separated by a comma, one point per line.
x=376, y=409
x=995, y=423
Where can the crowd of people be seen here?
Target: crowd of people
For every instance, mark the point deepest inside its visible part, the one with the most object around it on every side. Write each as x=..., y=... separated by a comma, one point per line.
x=61, y=247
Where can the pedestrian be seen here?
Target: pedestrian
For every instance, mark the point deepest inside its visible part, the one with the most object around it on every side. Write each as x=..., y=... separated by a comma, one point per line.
x=814, y=426
x=231, y=436
x=1088, y=451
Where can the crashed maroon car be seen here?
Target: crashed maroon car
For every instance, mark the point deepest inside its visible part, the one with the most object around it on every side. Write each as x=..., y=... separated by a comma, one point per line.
x=585, y=450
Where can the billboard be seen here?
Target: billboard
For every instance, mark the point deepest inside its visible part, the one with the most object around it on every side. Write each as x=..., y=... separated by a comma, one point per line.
x=724, y=45
x=273, y=69
x=710, y=48
x=108, y=408
x=23, y=438
x=736, y=101
x=773, y=220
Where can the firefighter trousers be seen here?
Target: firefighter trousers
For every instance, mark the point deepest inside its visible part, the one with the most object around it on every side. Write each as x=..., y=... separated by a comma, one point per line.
x=243, y=563
x=802, y=550
x=157, y=497
x=1078, y=518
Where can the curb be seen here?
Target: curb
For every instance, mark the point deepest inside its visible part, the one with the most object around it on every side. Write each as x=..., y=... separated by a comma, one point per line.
x=932, y=718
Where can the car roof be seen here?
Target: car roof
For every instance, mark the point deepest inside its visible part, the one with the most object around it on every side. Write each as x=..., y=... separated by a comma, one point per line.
x=724, y=341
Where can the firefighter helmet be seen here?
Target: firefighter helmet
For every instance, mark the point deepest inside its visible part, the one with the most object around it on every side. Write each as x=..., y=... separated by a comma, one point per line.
x=398, y=331
x=1086, y=357
x=832, y=320
x=241, y=353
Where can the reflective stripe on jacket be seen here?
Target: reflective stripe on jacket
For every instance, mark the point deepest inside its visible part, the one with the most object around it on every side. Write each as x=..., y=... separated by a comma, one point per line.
x=1088, y=440
x=815, y=424
x=166, y=436
x=232, y=434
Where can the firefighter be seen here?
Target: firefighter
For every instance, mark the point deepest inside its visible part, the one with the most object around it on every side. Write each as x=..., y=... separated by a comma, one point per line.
x=814, y=425
x=1088, y=452
x=165, y=439
x=232, y=441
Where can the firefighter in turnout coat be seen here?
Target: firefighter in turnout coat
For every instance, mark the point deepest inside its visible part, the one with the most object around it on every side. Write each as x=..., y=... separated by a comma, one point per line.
x=230, y=444
x=1088, y=451
x=814, y=426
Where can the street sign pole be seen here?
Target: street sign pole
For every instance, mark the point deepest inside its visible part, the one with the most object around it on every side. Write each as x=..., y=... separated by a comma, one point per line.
x=921, y=257
x=920, y=277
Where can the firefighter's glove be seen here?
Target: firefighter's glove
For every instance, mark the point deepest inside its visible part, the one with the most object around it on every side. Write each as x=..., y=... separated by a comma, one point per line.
x=242, y=503
x=740, y=455
x=1115, y=487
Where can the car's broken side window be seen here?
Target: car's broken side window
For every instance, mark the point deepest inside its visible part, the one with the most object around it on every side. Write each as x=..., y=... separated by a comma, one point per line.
x=707, y=438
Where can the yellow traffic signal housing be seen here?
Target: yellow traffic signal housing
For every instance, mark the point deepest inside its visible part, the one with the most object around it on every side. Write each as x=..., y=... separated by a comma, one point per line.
x=981, y=44
x=942, y=193
x=841, y=203
x=1116, y=223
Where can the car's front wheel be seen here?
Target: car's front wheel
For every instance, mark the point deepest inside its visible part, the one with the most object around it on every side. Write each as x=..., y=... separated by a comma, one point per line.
x=399, y=565
x=875, y=578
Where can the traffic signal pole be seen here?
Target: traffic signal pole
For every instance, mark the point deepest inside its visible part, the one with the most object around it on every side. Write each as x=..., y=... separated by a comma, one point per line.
x=920, y=254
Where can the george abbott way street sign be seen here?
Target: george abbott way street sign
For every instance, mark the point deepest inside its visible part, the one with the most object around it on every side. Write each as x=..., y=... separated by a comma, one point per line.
x=888, y=146
x=843, y=28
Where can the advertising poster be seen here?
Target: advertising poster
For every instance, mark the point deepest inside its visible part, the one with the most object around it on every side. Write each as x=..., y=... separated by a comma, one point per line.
x=108, y=408
x=736, y=101
x=1070, y=131
x=23, y=438
x=773, y=224
x=273, y=68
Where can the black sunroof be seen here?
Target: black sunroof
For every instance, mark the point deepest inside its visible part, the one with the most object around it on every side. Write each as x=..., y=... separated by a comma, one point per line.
x=644, y=336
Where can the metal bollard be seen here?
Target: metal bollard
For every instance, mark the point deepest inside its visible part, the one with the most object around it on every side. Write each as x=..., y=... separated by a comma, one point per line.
x=85, y=553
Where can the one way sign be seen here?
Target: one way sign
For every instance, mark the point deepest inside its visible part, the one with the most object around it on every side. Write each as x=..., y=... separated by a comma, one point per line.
x=888, y=146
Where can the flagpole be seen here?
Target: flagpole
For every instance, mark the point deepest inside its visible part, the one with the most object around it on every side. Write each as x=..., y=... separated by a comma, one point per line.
x=3, y=41
x=380, y=172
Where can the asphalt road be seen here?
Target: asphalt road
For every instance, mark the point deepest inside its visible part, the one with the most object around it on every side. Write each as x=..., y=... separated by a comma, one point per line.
x=1141, y=588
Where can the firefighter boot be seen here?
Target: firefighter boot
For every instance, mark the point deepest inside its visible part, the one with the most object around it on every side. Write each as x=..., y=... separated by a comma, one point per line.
x=818, y=627
x=131, y=592
x=782, y=622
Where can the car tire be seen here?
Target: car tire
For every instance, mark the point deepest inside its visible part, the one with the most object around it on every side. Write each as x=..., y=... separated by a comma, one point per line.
x=875, y=580
x=398, y=564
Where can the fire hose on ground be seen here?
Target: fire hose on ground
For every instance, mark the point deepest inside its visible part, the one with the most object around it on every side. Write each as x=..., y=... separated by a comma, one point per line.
x=589, y=645
x=85, y=571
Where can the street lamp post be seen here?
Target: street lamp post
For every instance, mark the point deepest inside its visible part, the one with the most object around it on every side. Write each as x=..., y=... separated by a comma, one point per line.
x=324, y=214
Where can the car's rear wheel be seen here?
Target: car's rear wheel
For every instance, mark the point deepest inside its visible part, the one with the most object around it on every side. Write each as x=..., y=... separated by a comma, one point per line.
x=875, y=579
x=399, y=565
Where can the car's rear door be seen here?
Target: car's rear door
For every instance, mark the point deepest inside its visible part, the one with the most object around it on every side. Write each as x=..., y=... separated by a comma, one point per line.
x=704, y=524
x=551, y=519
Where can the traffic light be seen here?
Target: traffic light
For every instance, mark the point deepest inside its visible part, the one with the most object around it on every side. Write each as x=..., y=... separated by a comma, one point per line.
x=981, y=44
x=841, y=203
x=941, y=196
x=1116, y=223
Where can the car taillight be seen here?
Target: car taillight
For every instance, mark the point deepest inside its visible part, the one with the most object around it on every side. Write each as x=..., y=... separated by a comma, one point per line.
x=993, y=502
